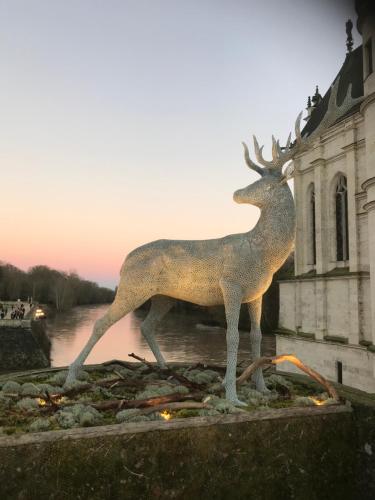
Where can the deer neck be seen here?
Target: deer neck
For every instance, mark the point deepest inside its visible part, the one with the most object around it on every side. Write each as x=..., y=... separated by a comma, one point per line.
x=275, y=229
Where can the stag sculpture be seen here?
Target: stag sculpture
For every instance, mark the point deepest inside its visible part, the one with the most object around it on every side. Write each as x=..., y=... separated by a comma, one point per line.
x=232, y=270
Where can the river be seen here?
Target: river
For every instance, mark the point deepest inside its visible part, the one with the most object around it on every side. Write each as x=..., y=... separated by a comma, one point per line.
x=181, y=337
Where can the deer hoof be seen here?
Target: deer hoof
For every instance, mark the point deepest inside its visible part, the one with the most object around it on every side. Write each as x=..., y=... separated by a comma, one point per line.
x=238, y=402
x=72, y=376
x=232, y=398
x=263, y=389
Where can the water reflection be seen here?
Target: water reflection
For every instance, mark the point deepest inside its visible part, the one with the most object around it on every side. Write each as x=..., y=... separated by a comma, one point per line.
x=181, y=338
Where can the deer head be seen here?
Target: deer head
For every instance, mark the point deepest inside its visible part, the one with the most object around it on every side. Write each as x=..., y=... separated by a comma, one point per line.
x=262, y=191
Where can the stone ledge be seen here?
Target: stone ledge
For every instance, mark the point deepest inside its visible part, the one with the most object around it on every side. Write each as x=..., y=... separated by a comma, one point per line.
x=285, y=331
x=306, y=335
x=336, y=339
x=334, y=274
x=365, y=343
x=327, y=339
x=15, y=323
x=140, y=427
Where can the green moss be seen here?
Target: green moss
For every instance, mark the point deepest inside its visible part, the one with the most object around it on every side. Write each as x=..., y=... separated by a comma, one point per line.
x=281, y=403
x=304, y=401
x=40, y=425
x=187, y=413
x=58, y=378
x=152, y=391
x=21, y=414
x=202, y=376
x=28, y=404
x=10, y=430
x=127, y=415
x=11, y=387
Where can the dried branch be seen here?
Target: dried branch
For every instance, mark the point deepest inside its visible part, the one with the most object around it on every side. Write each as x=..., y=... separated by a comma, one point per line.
x=292, y=359
x=144, y=403
x=137, y=384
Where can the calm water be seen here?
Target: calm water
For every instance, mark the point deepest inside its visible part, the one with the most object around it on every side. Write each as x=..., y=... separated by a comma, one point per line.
x=181, y=338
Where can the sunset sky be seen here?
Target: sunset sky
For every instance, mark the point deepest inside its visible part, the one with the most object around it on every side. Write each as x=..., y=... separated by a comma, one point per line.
x=121, y=121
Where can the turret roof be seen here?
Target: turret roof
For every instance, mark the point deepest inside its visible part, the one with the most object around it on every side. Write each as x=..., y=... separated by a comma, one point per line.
x=351, y=72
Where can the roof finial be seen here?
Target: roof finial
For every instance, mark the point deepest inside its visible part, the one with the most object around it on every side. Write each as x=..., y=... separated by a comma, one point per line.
x=349, y=39
x=309, y=109
x=316, y=98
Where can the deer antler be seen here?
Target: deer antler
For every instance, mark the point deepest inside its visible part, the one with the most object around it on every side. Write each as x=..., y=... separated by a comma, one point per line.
x=250, y=163
x=282, y=155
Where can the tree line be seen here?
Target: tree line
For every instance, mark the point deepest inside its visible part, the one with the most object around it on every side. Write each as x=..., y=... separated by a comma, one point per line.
x=48, y=286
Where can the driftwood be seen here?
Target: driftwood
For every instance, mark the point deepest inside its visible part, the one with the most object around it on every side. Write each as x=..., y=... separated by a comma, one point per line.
x=274, y=360
x=118, y=404
x=126, y=364
x=169, y=372
x=119, y=381
x=144, y=403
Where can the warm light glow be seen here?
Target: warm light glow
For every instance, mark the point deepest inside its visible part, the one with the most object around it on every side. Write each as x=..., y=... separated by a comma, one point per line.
x=287, y=357
x=55, y=399
x=317, y=401
x=59, y=399
x=166, y=415
x=39, y=313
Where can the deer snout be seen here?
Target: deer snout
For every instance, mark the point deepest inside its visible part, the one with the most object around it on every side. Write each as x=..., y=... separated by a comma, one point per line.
x=238, y=196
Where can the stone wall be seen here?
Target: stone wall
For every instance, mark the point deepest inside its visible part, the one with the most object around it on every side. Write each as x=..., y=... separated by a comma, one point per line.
x=363, y=419
x=358, y=362
x=276, y=454
x=24, y=344
x=329, y=304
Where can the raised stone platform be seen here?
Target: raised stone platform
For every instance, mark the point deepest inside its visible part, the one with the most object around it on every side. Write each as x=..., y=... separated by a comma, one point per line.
x=24, y=344
x=287, y=453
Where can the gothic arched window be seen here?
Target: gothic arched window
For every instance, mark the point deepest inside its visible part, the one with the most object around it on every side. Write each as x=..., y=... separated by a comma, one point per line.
x=342, y=229
x=311, y=225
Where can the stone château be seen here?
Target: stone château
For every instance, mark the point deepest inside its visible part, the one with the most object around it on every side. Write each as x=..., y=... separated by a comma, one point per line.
x=327, y=310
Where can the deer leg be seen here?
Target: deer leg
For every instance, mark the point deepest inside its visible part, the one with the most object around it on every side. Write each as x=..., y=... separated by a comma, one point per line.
x=160, y=305
x=255, y=312
x=116, y=311
x=232, y=295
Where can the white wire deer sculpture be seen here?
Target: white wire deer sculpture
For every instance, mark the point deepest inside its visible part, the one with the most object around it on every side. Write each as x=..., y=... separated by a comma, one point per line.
x=231, y=270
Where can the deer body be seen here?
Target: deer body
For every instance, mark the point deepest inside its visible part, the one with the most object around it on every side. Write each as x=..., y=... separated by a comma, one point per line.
x=191, y=270
x=232, y=270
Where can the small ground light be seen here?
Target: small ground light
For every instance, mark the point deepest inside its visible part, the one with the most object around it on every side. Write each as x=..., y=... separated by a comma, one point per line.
x=166, y=415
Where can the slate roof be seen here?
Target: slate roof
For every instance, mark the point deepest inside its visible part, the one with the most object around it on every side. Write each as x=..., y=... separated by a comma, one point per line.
x=351, y=72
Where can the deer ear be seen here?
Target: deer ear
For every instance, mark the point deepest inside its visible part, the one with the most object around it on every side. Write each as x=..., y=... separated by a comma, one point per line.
x=284, y=179
x=288, y=174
